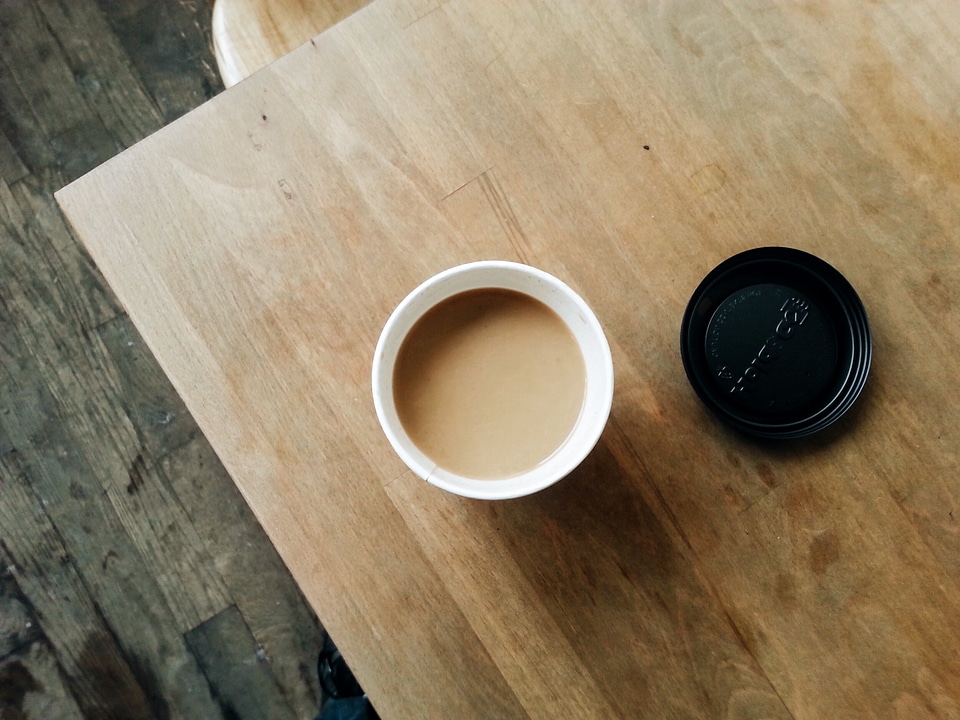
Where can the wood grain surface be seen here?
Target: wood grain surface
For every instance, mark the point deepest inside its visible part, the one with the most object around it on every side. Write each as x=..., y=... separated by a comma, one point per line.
x=260, y=242
x=250, y=34
x=122, y=539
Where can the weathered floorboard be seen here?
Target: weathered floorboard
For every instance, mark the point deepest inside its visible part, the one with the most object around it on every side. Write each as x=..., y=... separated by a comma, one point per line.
x=121, y=535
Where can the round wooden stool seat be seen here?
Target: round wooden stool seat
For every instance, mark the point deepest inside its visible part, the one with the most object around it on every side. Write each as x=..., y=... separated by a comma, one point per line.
x=249, y=34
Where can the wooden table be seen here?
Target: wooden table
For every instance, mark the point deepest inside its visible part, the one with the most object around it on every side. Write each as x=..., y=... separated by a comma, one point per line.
x=260, y=243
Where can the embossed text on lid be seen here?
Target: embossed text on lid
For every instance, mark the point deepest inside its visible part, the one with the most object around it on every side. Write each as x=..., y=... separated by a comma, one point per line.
x=776, y=342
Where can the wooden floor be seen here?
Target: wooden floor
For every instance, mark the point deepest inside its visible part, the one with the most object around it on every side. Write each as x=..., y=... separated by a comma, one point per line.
x=134, y=581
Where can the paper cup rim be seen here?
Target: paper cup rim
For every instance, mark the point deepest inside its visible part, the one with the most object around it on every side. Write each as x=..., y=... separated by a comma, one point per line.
x=537, y=284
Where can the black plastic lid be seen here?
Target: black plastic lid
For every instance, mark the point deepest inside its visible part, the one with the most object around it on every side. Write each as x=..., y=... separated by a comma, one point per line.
x=776, y=342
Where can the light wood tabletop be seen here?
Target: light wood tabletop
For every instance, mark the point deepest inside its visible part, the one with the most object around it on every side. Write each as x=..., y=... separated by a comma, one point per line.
x=684, y=570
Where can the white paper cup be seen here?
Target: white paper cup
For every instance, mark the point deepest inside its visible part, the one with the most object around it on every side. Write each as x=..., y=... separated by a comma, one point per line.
x=564, y=302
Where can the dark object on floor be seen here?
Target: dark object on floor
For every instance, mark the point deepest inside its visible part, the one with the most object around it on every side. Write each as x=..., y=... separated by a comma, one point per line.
x=335, y=677
x=343, y=697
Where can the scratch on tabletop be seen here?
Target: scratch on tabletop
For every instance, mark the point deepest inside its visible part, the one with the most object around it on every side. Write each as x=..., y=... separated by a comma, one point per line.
x=463, y=185
x=425, y=15
x=505, y=213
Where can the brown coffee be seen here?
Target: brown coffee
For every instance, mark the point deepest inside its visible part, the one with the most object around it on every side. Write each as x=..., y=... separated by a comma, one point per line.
x=489, y=383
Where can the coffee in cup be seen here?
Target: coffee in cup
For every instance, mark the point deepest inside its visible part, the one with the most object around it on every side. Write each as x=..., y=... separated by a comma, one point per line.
x=489, y=383
x=492, y=380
